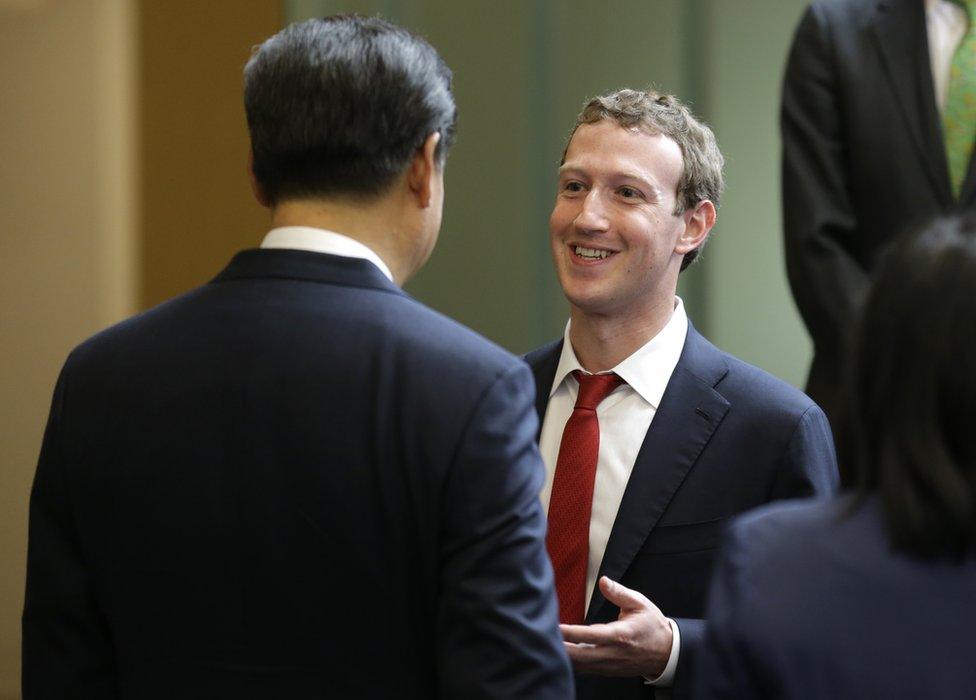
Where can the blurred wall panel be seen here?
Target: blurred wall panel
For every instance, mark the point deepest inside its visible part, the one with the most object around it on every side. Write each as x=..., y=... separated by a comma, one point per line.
x=750, y=309
x=196, y=203
x=67, y=239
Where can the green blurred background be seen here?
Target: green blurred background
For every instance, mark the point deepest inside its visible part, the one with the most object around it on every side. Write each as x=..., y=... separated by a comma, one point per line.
x=522, y=71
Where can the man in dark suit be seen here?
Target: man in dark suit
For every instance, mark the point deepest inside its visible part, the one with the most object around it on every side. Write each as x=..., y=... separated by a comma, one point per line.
x=873, y=141
x=296, y=481
x=652, y=437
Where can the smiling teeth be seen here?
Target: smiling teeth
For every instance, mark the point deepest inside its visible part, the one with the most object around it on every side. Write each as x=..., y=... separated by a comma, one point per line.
x=591, y=252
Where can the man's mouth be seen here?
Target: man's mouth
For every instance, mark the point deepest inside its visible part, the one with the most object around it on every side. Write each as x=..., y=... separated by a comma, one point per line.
x=592, y=253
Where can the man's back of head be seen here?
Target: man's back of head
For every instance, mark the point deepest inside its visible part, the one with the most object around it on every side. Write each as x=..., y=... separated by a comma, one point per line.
x=351, y=119
x=338, y=106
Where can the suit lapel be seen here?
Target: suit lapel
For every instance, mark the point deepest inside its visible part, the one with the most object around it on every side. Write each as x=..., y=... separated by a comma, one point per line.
x=690, y=411
x=543, y=363
x=898, y=27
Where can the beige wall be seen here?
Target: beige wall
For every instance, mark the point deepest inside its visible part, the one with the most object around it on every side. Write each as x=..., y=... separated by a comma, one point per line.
x=66, y=235
x=197, y=208
x=123, y=182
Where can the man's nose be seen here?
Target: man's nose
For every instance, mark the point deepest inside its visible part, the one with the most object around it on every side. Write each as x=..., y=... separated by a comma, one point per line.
x=592, y=217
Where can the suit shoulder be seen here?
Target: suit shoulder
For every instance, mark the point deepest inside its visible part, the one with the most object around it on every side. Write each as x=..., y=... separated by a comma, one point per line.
x=840, y=24
x=837, y=12
x=763, y=390
x=402, y=325
x=771, y=532
x=114, y=338
x=446, y=341
x=785, y=520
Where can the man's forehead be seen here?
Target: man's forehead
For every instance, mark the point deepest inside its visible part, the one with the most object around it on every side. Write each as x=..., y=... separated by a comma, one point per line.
x=631, y=147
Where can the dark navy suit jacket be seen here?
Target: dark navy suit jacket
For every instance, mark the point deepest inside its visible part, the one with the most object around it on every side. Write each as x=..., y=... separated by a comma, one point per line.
x=809, y=600
x=293, y=482
x=727, y=437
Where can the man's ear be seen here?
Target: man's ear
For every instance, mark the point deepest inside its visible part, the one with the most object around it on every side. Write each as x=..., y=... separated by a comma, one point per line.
x=259, y=193
x=423, y=168
x=698, y=222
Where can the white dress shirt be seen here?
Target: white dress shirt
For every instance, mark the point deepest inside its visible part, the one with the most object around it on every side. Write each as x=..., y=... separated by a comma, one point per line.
x=318, y=240
x=946, y=24
x=624, y=417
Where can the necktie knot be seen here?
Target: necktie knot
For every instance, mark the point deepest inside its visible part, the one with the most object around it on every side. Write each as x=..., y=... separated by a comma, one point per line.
x=593, y=388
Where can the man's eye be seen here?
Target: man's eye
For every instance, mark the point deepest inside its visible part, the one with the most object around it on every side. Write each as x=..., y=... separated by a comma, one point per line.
x=629, y=193
x=573, y=187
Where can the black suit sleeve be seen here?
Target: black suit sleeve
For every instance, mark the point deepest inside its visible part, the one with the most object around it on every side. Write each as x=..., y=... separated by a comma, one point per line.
x=819, y=223
x=808, y=468
x=67, y=650
x=497, y=622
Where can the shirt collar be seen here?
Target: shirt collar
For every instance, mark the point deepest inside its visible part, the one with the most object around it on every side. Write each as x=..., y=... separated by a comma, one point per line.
x=319, y=240
x=648, y=370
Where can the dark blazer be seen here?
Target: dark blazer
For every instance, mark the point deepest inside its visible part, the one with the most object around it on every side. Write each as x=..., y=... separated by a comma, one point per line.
x=810, y=601
x=293, y=482
x=727, y=437
x=863, y=158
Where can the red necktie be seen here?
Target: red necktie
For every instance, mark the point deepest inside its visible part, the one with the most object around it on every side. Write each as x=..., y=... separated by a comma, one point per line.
x=568, y=537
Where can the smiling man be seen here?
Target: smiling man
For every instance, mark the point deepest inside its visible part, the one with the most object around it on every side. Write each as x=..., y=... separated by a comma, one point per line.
x=652, y=437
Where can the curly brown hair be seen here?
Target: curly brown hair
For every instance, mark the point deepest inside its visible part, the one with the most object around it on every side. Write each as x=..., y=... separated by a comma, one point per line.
x=655, y=113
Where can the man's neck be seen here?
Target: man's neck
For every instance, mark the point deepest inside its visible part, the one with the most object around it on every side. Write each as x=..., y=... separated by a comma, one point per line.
x=372, y=224
x=601, y=342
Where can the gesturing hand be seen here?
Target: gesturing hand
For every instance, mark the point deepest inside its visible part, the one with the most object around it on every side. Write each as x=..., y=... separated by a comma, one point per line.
x=638, y=643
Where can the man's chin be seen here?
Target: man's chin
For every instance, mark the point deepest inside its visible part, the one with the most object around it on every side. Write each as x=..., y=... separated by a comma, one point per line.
x=589, y=305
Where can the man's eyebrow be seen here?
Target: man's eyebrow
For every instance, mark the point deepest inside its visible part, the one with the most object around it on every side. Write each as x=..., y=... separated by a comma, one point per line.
x=651, y=188
x=633, y=175
x=566, y=168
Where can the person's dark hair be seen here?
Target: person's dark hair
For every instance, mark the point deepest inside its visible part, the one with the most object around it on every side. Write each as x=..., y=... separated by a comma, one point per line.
x=338, y=106
x=914, y=390
x=654, y=113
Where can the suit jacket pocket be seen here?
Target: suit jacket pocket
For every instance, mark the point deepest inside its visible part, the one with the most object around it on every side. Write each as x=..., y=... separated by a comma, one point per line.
x=687, y=537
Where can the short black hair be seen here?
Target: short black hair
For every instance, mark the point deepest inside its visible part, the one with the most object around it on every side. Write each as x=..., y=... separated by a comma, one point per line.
x=338, y=106
x=914, y=390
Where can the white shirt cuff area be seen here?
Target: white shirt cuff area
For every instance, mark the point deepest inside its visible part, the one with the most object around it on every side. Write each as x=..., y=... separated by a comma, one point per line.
x=666, y=679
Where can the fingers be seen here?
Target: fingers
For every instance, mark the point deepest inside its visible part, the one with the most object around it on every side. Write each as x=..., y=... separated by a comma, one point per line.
x=590, y=634
x=621, y=596
x=637, y=643
x=587, y=658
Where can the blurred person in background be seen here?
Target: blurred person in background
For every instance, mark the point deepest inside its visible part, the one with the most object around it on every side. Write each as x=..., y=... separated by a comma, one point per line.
x=878, y=120
x=297, y=481
x=872, y=594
